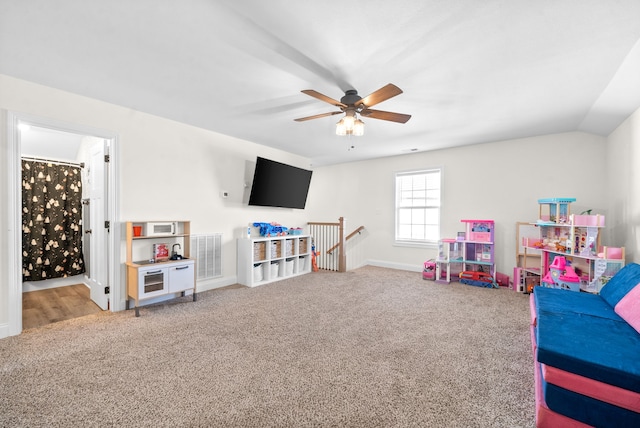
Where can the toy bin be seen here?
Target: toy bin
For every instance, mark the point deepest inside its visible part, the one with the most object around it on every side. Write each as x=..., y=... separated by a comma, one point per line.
x=429, y=270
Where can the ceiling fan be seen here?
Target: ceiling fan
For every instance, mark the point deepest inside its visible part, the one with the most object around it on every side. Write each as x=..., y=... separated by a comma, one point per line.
x=352, y=104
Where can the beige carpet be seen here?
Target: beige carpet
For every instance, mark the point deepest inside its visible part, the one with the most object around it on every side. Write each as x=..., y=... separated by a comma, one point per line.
x=373, y=347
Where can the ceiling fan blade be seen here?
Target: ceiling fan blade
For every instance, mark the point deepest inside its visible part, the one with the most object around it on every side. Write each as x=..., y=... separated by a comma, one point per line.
x=385, y=115
x=323, y=97
x=380, y=95
x=317, y=116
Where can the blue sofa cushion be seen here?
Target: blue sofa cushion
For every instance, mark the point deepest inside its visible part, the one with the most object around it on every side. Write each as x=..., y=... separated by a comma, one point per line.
x=621, y=283
x=604, y=348
x=568, y=302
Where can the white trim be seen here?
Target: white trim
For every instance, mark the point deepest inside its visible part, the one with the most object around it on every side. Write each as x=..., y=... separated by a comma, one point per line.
x=117, y=299
x=416, y=171
x=390, y=265
x=28, y=286
x=4, y=330
x=212, y=284
x=14, y=235
x=14, y=253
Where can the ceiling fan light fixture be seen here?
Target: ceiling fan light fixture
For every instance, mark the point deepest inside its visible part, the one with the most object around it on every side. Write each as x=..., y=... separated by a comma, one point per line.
x=349, y=121
x=352, y=105
x=358, y=128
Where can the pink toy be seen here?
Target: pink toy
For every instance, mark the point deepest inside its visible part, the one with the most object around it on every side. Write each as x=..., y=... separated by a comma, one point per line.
x=548, y=281
x=559, y=262
x=429, y=271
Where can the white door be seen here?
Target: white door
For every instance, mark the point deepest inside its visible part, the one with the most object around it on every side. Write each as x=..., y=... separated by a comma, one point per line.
x=96, y=188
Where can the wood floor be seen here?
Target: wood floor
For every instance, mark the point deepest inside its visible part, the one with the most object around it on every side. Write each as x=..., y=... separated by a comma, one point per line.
x=56, y=304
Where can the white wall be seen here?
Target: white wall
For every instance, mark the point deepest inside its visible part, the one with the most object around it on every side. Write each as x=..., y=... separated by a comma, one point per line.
x=623, y=174
x=168, y=170
x=501, y=181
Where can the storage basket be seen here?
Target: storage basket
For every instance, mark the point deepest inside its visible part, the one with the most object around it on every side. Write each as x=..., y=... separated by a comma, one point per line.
x=257, y=272
x=302, y=246
x=259, y=250
x=276, y=249
x=288, y=267
x=275, y=268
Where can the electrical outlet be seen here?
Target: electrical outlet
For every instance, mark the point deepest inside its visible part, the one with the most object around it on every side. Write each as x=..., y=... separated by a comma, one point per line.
x=224, y=194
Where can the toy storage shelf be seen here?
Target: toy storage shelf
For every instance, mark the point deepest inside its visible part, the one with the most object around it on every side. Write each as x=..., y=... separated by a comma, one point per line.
x=449, y=260
x=148, y=278
x=578, y=241
x=473, y=253
x=594, y=271
x=479, y=251
x=269, y=259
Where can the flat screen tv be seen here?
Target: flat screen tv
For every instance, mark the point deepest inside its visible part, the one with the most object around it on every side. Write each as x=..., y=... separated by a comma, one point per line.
x=277, y=184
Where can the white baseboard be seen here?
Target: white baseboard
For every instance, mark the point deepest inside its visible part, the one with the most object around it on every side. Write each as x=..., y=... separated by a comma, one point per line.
x=28, y=286
x=391, y=265
x=4, y=330
x=211, y=284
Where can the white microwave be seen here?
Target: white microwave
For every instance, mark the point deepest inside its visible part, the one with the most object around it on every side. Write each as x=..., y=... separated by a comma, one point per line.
x=161, y=228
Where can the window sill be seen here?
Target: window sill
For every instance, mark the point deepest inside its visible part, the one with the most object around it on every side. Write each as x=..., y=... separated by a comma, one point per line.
x=415, y=244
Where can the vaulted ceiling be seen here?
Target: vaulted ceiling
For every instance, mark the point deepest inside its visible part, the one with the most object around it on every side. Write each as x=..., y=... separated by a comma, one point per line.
x=471, y=71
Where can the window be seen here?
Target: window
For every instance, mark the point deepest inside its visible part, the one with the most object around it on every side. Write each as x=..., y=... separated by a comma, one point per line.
x=418, y=206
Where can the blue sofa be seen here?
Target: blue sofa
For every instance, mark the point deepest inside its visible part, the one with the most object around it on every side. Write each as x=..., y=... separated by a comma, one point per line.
x=587, y=354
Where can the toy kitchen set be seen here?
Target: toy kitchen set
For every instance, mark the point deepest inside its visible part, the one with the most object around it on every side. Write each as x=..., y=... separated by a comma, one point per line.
x=158, y=262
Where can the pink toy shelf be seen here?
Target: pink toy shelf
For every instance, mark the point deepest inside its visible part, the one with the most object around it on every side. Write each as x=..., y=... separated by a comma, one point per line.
x=479, y=230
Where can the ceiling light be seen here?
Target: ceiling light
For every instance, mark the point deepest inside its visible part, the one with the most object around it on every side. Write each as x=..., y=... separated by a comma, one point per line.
x=348, y=122
x=358, y=128
x=350, y=125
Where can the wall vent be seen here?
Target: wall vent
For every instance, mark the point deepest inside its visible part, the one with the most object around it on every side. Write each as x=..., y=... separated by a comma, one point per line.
x=206, y=250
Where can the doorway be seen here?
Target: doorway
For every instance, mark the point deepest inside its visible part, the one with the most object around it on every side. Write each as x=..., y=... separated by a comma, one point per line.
x=96, y=149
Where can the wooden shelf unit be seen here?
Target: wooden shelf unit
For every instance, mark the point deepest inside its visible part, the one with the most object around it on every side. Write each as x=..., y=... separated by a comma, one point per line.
x=526, y=274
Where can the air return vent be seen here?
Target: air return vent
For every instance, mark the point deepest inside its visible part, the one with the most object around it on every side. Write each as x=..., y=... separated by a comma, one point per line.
x=207, y=252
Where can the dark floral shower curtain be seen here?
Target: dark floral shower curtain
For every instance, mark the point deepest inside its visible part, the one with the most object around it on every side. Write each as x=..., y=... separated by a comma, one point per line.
x=51, y=221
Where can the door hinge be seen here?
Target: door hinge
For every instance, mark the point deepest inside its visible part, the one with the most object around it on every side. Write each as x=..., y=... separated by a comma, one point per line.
x=107, y=158
x=107, y=224
x=107, y=290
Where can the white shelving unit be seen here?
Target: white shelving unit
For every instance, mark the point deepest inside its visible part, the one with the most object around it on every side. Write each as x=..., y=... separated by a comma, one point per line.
x=268, y=259
x=148, y=278
x=449, y=261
